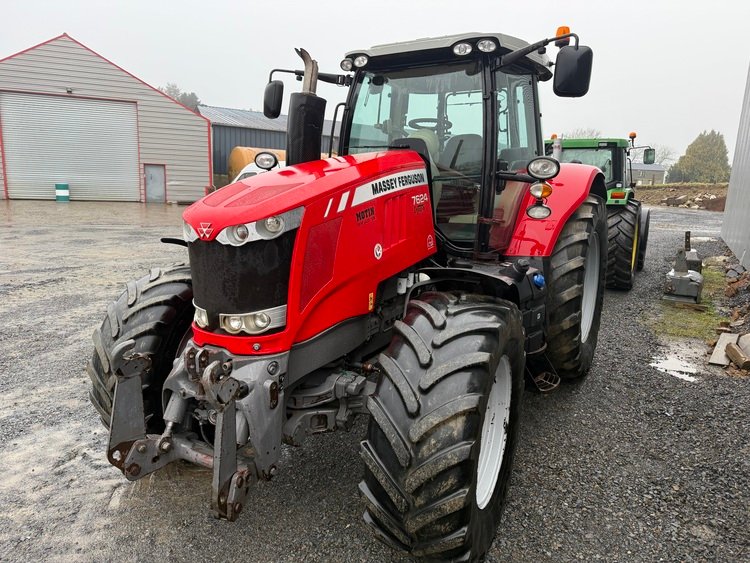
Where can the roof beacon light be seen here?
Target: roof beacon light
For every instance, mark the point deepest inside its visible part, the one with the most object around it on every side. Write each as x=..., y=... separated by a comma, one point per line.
x=462, y=49
x=346, y=65
x=360, y=61
x=562, y=30
x=632, y=135
x=486, y=45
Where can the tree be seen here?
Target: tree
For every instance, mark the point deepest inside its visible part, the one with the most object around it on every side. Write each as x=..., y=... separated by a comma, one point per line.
x=582, y=133
x=705, y=160
x=189, y=99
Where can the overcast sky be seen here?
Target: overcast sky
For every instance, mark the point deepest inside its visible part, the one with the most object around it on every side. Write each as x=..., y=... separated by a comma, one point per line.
x=667, y=69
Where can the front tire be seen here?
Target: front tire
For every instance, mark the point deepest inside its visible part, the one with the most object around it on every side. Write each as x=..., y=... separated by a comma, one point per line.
x=156, y=311
x=623, y=233
x=443, y=429
x=575, y=290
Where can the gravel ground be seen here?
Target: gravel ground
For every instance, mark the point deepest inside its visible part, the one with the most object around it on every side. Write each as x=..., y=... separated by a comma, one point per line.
x=630, y=465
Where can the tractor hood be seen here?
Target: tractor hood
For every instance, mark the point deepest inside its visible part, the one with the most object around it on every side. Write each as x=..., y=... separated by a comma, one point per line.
x=272, y=193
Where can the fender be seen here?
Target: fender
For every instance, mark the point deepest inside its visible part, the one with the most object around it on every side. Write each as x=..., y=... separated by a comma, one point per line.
x=574, y=183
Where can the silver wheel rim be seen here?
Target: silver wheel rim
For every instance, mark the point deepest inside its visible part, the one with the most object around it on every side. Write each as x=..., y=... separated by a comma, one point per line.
x=590, y=287
x=494, y=433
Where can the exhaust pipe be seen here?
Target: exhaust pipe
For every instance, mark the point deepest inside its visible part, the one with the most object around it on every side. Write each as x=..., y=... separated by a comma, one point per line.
x=306, y=113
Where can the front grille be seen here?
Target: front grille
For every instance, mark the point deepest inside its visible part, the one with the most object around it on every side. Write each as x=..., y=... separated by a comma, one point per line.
x=240, y=279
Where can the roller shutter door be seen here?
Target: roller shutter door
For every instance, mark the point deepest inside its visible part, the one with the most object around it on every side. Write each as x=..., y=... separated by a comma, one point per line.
x=92, y=145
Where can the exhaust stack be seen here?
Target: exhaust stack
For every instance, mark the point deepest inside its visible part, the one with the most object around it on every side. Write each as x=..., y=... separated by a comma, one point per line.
x=306, y=113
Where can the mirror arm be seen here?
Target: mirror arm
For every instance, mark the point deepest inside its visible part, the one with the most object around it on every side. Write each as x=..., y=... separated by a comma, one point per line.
x=518, y=54
x=337, y=79
x=516, y=176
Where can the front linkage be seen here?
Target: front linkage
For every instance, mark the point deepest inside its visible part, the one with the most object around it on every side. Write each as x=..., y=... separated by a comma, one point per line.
x=241, y=397
x=204, y=375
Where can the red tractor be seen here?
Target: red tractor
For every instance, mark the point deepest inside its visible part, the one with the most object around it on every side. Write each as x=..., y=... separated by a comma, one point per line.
x=420, y=277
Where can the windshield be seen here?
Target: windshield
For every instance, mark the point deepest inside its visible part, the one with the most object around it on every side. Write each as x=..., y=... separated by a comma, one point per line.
x=443, y=108
x=602, y=158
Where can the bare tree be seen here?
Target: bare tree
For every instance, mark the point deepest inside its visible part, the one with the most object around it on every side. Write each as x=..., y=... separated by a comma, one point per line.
x=582, y=133
x=189, y=99
x=665, y=155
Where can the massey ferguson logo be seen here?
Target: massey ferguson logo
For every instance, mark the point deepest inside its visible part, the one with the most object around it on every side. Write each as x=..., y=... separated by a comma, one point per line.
x=205, y=230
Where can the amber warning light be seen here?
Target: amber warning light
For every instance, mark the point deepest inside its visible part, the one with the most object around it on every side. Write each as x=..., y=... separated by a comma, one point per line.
x=562, y=30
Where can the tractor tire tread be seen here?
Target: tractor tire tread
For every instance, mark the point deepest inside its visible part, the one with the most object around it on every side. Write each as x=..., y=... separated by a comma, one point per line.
x=155, y=311
x=419, y=459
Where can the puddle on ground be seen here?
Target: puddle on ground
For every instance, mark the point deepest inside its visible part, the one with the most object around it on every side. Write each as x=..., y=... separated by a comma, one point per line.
x=683, y=360
x=675, y=366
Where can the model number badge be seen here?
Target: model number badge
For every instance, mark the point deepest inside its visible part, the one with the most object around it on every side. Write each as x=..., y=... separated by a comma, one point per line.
x=419, y=201
x=378, y=251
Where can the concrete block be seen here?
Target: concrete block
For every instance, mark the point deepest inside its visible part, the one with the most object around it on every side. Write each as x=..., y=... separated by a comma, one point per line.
x=719, y=356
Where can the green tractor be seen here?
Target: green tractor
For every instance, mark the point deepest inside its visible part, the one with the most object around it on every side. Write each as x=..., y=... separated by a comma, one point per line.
x=627, y=222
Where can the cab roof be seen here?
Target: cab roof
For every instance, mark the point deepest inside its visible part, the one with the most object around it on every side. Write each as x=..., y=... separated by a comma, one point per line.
x=506, y=43
x=591, y=143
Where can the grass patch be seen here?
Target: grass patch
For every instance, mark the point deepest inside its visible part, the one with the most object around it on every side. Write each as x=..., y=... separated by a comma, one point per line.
x=684, y=322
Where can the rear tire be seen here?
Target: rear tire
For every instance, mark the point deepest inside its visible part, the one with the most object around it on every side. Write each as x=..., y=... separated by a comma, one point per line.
x=156, y=311
x=643, y=238
x=576, y=289
x=623, y=226
x=437, y=458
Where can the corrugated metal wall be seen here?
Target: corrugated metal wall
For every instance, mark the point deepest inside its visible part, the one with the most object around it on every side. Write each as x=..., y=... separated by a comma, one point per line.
x=225, y=138
x=736, y=228
x=168, y=133
x=46, y=138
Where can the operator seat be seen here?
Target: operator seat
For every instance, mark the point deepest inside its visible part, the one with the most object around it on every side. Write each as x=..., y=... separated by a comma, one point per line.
x=463, y=153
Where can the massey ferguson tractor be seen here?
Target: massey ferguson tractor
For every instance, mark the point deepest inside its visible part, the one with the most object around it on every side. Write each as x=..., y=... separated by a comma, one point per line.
x=627, y=221
x=420, y=276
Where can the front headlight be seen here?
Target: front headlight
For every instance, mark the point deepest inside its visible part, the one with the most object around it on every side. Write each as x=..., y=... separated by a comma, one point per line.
x=254, y=323
x=201, y=317
x=265, y=229
x=543, y=168
x=188, y=232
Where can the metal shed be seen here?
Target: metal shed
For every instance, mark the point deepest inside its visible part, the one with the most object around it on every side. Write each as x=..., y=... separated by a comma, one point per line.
x=245, y=128
x=736, y=227
x=68, y=115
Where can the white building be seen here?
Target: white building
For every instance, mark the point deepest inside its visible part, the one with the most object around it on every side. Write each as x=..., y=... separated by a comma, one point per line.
x=68, y=115
x=736, y=227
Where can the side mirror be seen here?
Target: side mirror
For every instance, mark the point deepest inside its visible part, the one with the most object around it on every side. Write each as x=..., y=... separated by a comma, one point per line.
x=573, y=71
x=649, y=156
x=272, y=98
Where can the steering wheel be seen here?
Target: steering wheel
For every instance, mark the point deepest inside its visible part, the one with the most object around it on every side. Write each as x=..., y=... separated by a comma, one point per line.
x=429, y=123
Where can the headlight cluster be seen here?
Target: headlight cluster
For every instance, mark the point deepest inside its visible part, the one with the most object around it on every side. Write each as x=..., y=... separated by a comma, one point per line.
x=483, y=45
x=265, y=229
x=254, y=323
x=249, y=323
x=542, y=168
x=359, y=61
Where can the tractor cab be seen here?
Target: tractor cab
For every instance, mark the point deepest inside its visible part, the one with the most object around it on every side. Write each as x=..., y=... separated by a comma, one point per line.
x=468, y=104
x=469, y=110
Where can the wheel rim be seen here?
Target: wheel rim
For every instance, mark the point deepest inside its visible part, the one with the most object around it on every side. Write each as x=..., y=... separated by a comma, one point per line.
x=590, y=287
x=494, y=433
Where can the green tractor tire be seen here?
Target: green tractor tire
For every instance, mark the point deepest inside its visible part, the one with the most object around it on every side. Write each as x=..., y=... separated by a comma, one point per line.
x=623, y=222
x=643, y=238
